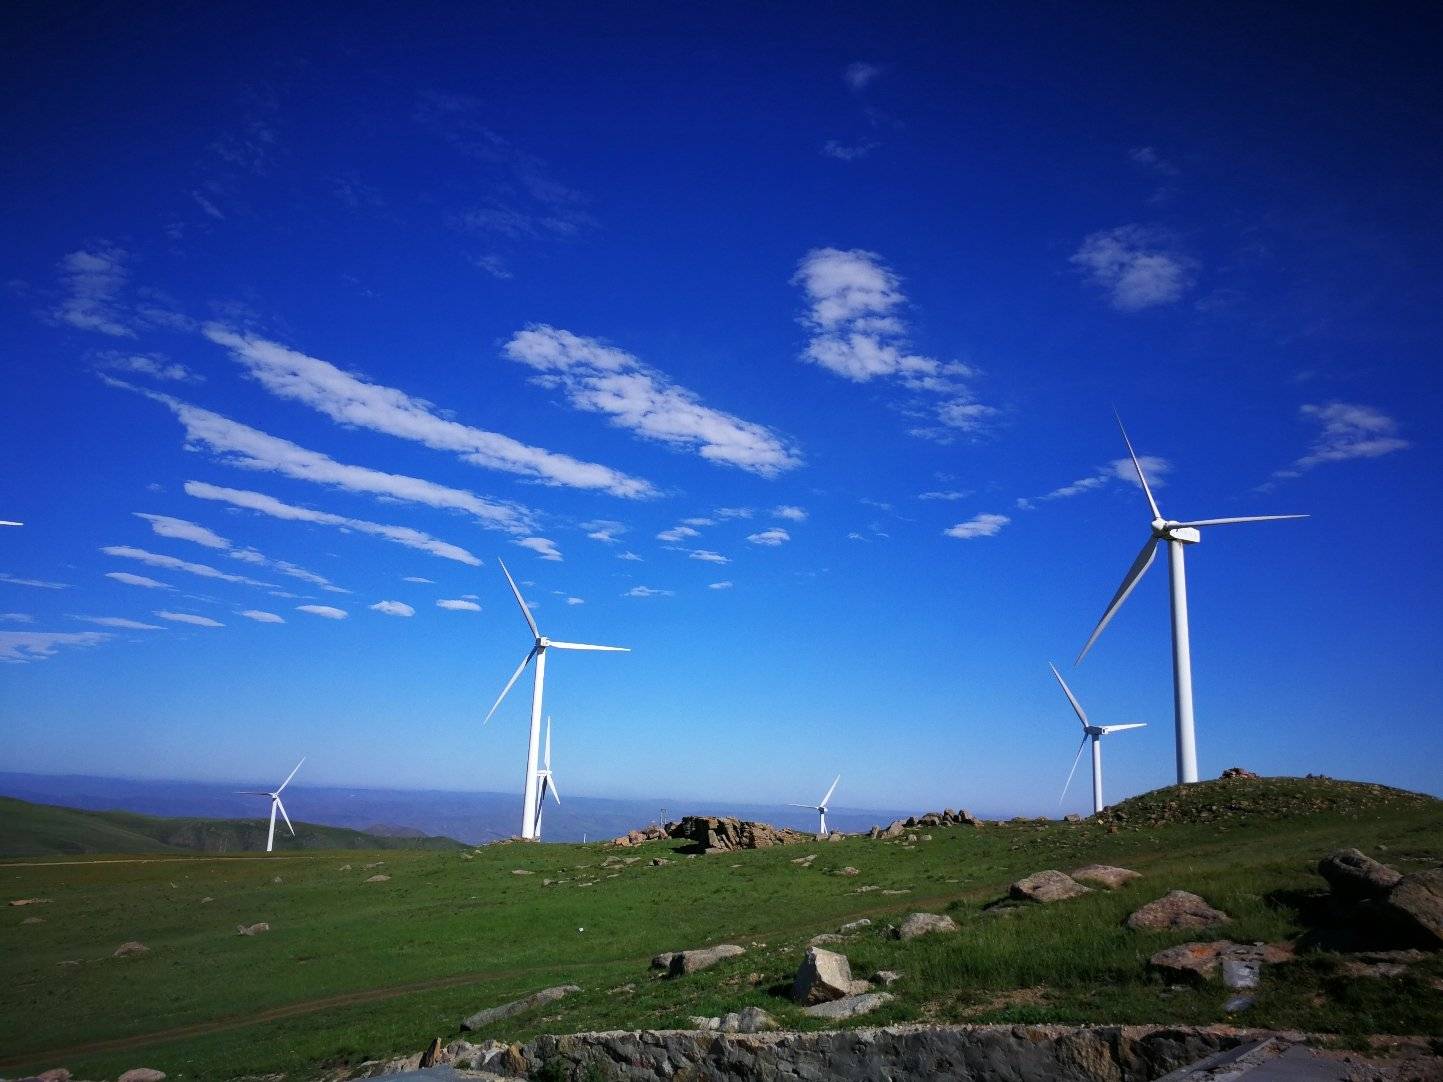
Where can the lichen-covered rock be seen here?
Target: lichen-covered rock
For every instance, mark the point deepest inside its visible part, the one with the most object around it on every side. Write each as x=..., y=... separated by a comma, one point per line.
x=252, y=929
x=1046, y=887
x=1354, y=876
x=684, y=962
x=1416, y=904
x=1105, y=875
x=1177, y=909
x=924, y=924
x=823, y=976
x=850, y=1006
x=126, y=950
x=723, y=834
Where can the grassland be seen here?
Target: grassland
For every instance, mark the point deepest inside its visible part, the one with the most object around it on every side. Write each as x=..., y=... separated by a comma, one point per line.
x=353, y=970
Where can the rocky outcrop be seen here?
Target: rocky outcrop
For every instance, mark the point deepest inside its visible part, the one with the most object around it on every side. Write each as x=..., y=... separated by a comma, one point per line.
x=823, y=976
x=1105, y=875
x=948, y=818
x=1415, y=905
x=1177, y=909
x=1046, y=887
x=723, y=834
x=924, y=924
x=651, y=833
x=1353, y=876
x=125, y=950
x=1198, y=962
x=684, y=962
x=494, y=1014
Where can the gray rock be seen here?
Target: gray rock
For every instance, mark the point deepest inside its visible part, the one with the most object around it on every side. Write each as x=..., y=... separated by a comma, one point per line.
x=1241, y=973
x=1416, y=905
x=1355, y=877
x=252, y=929
x=142, y=1074
x=1177, y=909
x=1048, y=886
x=823, y=938
x=748, y=1020
x=1197, y=962
x=379, y=879
x=1235, y=1004
x=705, y=1024
x=856, y=925
x=850, y=1006
x=516, y=1006
x=924, y=924
x=1105, y=875
x=663, y=960
x=133, y=947
x=887, y=977
x=684, y=962
x=823, y=976
x=849, y=871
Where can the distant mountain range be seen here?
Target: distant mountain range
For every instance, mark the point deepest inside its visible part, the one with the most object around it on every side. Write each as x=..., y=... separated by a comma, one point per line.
x=405, y=813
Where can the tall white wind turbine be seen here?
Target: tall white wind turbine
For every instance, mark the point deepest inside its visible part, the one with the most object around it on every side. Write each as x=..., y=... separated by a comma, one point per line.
x=546, y=782
x=820, y=807
x=276, y=805
x=1092, y=732
x=1178, y=535
x=537, y=653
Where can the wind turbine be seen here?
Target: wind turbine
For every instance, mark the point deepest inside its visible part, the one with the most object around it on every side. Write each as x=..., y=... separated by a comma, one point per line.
x=538, y=652
x=276, y=803
x=1178, y=535
x=1092, y=732
x=546, y=783
x=820, y=807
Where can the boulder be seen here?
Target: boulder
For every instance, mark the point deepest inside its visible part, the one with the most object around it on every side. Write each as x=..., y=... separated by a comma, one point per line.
x=142, y=1074
x=379, y=879
x=432, y=1056
x=684, y=962
x=1198, y=962
x=924, y=924
x=823, y=938
x=1238, y=772
x=849, y=1006
x=1416, y=906
x=1048, y=886
x=55, y=1074
x=1354, y=876
x=849, y=871
x=856, y=925
x=133, y=947
x=252, y=929
x=516, y=1006
x=749, y=1020
x=887, y=977
x=1105, y=875
x=522, y=871
x=662, y=960
x=1177, y=909
x=823, y=976
x=724, y=834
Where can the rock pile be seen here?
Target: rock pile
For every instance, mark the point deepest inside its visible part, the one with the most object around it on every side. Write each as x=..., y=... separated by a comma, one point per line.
x=723, y=834
x=651, y=833
x=949, y=818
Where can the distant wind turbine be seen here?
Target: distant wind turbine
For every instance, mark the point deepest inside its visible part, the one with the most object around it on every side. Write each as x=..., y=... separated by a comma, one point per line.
x=545, y=781
x=1092, y=732
x=276, y=804
x=1177, y=535
x=820, y=807
x=538, y=653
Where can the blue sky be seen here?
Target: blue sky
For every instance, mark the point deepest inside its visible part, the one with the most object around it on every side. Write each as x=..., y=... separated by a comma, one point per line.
x=779, y=348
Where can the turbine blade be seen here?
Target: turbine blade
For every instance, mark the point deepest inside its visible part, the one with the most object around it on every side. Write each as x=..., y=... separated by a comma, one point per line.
x=547, y=761
x=250, y=792
x=1241, y=518
x=530, y=621
x=514, y=677
x=1134, y=573
x=830, y=791
x=551, y=788
x=1077, y=706
x=286, y=817
x=1156, y=514
x=809, y=807
x=1119, y=728
x=289, y=776
x=587, y=646
x=1073, y=771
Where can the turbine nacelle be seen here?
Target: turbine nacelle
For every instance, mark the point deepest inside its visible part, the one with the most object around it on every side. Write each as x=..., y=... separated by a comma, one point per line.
x=1176, y=531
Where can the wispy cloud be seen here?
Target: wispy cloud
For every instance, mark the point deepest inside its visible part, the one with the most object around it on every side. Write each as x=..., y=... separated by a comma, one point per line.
x=599, y=378
x=393, y=608
x=182, y=530
x=1118, y=470
x=647, y=591
x=118, y=622
x=40, y=584
x=628, y=555
x=1148, y=158
x=188, y=618
x=983, y=525
x=542, y=546
x=419, y=580
x=770, y=538
x=725, y=584
x=325, y=611
x=16, y=618
x=1347, y=431
x=260, y=616
x=576, y=601
x=1138, y=266
x=171, y=563
x=350, y=400
x=458, y=604
x=707, y=556
x=949, y=494
x=733, y=512
x=148, y=364
x=861, y=74
x=792, y=514
x=137, y=580
x=92, y=280
x=269, y=505
x=604, y=530
x=18, y=647
x=677, y=533
x=854, y=300
x=849, y=152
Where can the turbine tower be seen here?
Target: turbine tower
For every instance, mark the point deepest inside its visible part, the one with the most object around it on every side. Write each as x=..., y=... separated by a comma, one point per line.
x=545, y=782
x=1178, y=536
x=1092, y=732
x=276, y=804
x=538, y=653
x=820, y=807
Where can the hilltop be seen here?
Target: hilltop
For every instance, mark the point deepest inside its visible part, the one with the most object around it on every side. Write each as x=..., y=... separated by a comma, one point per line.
x=32, y=830
x=1245, y=796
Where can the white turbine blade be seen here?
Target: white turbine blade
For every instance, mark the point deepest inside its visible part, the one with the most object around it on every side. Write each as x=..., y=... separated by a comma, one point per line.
x=1134, y=573
x=833, y=789
x=1241, y=518
x=809, y=807
x=1156, y=514
x=514, y=677
x=250, y=792
x=530, y=621
x=1073, y=771
x=547, y=761
x=1119, y=728
x=9, y=523
x=1077, y=706
x=551, y=788
x=289, y=776
x=587, y=646
x=284, y=816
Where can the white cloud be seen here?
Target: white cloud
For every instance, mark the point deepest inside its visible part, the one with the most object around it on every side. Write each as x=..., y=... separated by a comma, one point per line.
x=677, y=533
x=542, y=546
x=16, y=618
x=1119, y=469
x=647, y=591
x=120, y=622
x=325, y=611
x=733, y=512
x=155, y=559
x=188, y=618
x=773, y=537
x=137, y=580
x=1348, y=431
x=262, y=617
x=698, y=521
x=793, y=514
x=575, y=601
x=602, y=379
x=849, y=152
x=628, y=555
x=181, y=530
x=93, y=279
x=350, y=400
x=983, y=525
x=18, y=647
x=951, y=494
x=149, y=364
x=604, y=530
x=393, y=608
x=37, y=583
x=269, y=505
x=419, y=580
x=707, y=556
x=725, y=584
x=1150, y=159
x=458, y=604
x=860, y=74
x=1138, y=266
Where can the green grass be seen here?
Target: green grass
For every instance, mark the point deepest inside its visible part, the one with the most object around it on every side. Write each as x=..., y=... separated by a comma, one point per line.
x=467, y=933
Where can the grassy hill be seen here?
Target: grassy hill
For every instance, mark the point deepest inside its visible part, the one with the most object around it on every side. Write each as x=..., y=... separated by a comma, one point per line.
x=34, y=830
x=353, y=969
